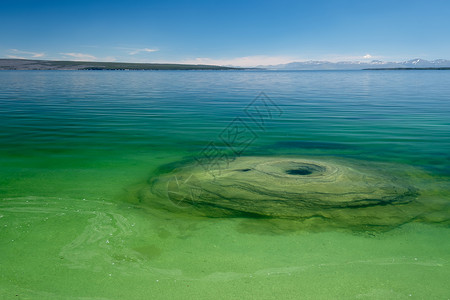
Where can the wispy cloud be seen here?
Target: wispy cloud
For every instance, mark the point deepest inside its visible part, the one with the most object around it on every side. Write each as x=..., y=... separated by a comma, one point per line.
x=137, y=51
x=109, y=58
x=356, y=57
x=79, y=56
x=245, y=61
x=15, y=57
x=25, y=54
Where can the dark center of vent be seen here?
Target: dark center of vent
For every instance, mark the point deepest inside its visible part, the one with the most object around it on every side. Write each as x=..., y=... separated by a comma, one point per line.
x=299, y=171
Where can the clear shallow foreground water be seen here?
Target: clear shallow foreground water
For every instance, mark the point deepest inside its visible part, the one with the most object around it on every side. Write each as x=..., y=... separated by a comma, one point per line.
x=75, y=145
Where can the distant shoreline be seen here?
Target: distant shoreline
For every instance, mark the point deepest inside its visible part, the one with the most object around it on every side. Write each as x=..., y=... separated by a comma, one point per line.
x=406, y=69
x=43, y=65
x=27, y=64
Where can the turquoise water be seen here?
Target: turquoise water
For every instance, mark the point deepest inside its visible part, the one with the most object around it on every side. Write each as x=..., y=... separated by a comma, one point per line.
x=76, y=145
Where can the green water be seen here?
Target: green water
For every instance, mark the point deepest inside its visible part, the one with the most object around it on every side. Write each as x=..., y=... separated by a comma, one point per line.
x=76, y=145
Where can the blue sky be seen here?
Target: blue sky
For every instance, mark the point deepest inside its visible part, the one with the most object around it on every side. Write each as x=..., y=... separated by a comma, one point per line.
x=244, y=33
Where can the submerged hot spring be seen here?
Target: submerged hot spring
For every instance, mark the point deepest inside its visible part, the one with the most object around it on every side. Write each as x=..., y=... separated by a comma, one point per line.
x=314, y=193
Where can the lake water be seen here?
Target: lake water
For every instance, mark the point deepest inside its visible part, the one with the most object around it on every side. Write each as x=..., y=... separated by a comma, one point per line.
x=77, y=145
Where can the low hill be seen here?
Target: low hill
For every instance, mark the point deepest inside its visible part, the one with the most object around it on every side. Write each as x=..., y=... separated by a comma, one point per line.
x=26, y=64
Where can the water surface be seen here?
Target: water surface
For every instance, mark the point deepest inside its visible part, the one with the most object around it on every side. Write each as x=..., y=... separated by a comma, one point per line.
x=75, y=144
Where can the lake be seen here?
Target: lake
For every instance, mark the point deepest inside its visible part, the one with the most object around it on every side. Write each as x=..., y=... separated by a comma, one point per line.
x=81, y=152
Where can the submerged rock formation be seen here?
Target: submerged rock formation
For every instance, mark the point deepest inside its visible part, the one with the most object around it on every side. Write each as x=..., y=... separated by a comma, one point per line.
x=340, y=192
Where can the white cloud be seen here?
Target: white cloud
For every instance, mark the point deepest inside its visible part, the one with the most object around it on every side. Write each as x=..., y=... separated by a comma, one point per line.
x=245, y=61
x=137, y=51
x=80, y=56
x=27, y=53
x=15, y=57
x=109, y=58
x=354, y=58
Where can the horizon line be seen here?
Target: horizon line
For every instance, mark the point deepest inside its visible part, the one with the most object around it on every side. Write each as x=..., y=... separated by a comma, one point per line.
x=224, y=65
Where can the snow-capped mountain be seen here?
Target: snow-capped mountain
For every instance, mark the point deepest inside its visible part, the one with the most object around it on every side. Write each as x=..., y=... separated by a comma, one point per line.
x=358, y=65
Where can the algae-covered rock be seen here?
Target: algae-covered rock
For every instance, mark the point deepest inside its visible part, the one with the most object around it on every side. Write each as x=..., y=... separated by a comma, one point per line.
x=342, y=192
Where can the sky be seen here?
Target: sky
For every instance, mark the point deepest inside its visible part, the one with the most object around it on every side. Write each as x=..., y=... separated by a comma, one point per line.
x=239, y=33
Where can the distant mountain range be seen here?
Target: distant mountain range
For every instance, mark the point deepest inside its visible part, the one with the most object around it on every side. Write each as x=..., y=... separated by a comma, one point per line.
x=358, y=65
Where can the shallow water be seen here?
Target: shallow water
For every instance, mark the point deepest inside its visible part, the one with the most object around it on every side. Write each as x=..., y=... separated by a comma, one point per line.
x=76, y=146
